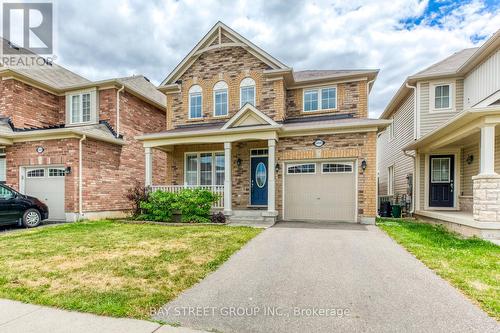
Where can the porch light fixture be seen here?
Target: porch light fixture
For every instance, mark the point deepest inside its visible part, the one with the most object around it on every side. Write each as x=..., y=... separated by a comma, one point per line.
x=238, y=162
x=277, y=167
x=67, y=170
x=469, y=159
x=363, y=165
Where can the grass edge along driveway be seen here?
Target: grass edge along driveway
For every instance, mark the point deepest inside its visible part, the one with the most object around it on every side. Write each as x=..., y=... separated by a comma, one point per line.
x=111, y=268
x=472, y=265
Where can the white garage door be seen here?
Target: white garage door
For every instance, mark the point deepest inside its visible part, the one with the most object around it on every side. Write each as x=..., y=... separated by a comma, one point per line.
x=47, y=184
x=320, y=191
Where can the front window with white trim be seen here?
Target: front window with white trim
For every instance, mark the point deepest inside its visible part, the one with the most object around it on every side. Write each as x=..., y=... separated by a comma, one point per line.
x=204, y=168
x=320, y=99
x=220, y=99
x=301, y=168
x=442, y=96
x=390, y=180
x=195, y=102
x=3, y=166
x=247, y=92
x=80, y=108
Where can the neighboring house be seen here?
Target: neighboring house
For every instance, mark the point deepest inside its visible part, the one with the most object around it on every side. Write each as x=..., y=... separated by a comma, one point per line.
x=443, y=137
x=275, y=143
x=70, y=142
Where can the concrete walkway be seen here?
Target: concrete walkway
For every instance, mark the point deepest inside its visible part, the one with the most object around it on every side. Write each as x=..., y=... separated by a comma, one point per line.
x=304, y=277
x=26, y=318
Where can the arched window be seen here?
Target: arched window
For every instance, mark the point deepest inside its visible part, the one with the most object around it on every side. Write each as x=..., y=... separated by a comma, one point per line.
x=220, y=99
x=195, y=102
x=247, y=91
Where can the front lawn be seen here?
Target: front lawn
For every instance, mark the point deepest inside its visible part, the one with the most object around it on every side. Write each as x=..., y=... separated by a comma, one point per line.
x=112, y=268
x=472, y=265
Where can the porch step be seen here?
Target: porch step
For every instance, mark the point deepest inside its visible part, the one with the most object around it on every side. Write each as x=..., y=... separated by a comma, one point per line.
x=251, y=217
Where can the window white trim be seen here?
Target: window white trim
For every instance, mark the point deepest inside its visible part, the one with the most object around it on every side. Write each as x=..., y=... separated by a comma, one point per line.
x=219, y=87
x=391, y=130
x=351, y=164
x=390, y=180
x=93, y=109
x=198, y=169
x=245, y=83
x=300, y=173
x=195, y=90
x=319, y=91
x=432, y=96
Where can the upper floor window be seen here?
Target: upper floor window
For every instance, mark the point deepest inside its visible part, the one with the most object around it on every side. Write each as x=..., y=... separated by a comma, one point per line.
x=80, y=108
x=320, y=99
x=442, y=97
x=247, y=91
x=220, y=99
x=195, y=102
x=391, y=130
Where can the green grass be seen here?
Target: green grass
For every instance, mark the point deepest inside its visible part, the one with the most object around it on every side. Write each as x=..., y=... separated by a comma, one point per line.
x=112, y=268
x=472, y=265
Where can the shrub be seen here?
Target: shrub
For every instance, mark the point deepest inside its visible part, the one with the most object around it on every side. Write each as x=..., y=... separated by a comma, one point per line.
x=158, y=206
x=218, y=218
x=138, y=194
x=195, y=204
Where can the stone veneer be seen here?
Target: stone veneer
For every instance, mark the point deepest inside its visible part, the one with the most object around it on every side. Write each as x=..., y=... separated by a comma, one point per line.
x=486, y=198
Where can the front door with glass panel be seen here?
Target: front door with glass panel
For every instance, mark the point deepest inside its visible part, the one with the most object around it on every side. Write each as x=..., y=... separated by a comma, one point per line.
x=441, y=186
x=258, y=182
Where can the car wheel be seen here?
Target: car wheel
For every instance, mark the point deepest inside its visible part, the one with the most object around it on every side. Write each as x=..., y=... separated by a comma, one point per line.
x=32, y=218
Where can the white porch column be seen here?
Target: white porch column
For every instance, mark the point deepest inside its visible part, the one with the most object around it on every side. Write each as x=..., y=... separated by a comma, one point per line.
x=271, y=183
x=148, y=166
x=228, y=205
x=487, y=154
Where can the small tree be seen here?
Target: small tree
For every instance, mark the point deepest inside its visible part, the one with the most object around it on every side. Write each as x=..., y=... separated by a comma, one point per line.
x=138, y=194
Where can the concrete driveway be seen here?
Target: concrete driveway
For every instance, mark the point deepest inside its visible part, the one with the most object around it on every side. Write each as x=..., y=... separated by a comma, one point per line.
x=305, y=277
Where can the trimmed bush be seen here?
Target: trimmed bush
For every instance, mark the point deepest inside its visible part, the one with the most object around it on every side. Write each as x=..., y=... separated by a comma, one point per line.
x=194, y=205
x=158, y=206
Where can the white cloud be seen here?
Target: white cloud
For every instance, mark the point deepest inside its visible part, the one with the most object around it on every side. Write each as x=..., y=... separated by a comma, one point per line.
x=103, y=39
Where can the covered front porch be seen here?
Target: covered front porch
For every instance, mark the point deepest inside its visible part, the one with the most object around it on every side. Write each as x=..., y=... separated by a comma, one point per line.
x=457, y=180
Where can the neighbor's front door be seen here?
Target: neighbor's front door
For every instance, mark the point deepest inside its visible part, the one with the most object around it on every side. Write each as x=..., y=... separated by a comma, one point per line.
x=258, y=182
x=441, y=187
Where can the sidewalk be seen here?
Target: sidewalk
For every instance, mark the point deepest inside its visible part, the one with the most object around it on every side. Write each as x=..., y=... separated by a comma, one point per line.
x=27, y=318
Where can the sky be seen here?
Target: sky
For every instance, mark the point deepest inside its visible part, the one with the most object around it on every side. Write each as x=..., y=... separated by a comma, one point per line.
x=114, y=38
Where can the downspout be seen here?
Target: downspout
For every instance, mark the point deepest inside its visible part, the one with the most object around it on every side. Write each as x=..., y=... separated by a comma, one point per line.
x=80, y=177
x=118, y=110
x=415, y=135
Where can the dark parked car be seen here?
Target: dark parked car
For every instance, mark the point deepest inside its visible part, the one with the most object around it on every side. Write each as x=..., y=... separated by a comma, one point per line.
x=17, y=208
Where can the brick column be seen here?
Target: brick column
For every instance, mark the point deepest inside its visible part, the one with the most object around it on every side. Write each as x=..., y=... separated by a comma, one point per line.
x=486, y=198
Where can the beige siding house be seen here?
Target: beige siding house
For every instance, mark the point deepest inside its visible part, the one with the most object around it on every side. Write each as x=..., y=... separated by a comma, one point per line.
x=444, y=139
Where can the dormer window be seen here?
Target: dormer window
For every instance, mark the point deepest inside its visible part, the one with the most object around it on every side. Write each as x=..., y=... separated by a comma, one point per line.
x=81, y=107
x=247, y=92
x=220, y=99
x=195, y=102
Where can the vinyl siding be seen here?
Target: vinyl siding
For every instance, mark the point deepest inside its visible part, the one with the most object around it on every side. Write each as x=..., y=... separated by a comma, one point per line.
x=431, y=120
x=421, y=186
x=390, y=151
x=483, y=81
x=469, y=170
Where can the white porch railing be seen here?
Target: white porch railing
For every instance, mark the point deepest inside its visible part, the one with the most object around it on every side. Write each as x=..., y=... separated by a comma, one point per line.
x=217, y=189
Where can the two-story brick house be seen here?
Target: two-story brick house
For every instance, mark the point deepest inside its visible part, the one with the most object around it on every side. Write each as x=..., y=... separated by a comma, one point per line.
x=275, y=143
x=70, y=141
x=443, y=139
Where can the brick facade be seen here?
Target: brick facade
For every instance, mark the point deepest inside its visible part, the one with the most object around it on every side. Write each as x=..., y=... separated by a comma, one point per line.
x=28, y=106
x=109, y=170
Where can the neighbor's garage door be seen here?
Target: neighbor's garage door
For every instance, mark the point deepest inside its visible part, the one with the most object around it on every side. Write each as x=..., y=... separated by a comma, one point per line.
x=320, y=191
x=47, y=184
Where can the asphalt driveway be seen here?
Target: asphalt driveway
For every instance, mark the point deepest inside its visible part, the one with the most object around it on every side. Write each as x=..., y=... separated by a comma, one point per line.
x=305, y=277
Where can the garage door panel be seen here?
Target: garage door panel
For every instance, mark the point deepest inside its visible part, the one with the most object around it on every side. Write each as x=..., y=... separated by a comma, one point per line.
x=320, y=196
x=47, y=184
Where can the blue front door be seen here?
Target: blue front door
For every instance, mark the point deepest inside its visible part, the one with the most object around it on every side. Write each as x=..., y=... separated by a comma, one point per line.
x=258, y=183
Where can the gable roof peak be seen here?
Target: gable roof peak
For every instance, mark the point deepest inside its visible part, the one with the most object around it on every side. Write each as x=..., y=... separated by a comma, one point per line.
x=214, y=35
